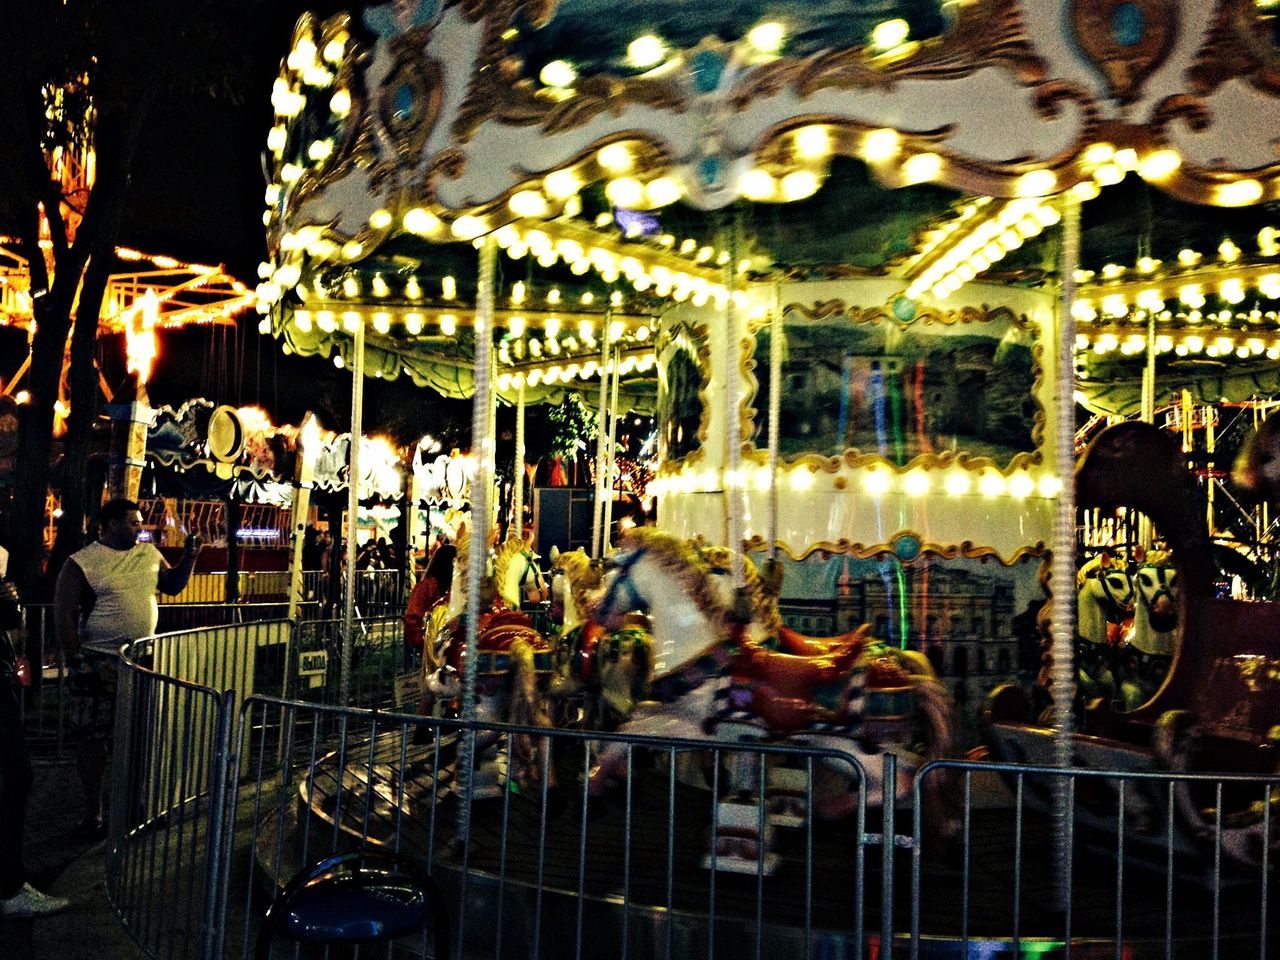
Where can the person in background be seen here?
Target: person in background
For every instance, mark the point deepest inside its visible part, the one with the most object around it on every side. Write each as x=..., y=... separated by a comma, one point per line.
x=430, y=590
x=18, y=898
x=105, y=598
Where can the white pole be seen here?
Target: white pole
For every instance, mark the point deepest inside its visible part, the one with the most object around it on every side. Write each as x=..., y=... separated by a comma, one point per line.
x=597, y=515
x=733, y=418
x=775, y=412
x=1063, y=571
x=477, y=553
x=353, y=509
x=611, y=451
x=517, y=509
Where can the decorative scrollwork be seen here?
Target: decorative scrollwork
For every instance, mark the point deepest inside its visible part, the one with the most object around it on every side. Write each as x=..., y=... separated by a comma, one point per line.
x=1237, y=45
x=1126, y=39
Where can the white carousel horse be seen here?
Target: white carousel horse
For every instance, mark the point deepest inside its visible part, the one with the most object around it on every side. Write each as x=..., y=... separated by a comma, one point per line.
x=701, y=660
x=512, y=657
x=606, y=671
x=1104, y=599
x=1152, y=638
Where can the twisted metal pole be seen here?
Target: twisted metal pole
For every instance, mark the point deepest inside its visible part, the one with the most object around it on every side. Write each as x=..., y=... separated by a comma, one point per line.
x=353, y=510
x=733, y=420
x=1063, y=570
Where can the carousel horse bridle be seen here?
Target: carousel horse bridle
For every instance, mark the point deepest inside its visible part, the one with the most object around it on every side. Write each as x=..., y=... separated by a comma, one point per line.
x=620, y=567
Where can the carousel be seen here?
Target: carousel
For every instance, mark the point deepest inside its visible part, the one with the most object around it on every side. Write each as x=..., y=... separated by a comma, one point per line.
x=863, y=269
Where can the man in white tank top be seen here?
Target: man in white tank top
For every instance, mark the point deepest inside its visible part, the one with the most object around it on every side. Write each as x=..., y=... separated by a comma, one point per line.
x=106, y=597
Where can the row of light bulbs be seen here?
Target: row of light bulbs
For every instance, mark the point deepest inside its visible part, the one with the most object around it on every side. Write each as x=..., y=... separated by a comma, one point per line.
x=1243, y=345
x=1232, y=290
x=571, y=372
x=875, y=481
x=1228, y=252
x=985, y=244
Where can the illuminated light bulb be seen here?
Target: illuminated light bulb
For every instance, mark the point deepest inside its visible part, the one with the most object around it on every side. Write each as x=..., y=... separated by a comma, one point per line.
x=1224, y=344
x=615, y=158
x=467, y=227
x=1148, y=265
x=352, y=249
x=890, y=34
x=535, y=377
x=992, y=484
x=956, y=483
x=518, y=292
x=1180, y=350
x=1194, y=316
x=1159, y=164
x=1037, y=183
x=1242, y=352
x=663, y=191
x=1239, y=194
x=1050, y=486
x=317, y=76
x=380, y=288
x=1085, y=191
x=273, y=193
x=624, y=192
x=1269, y=285
x=1021, y=485
x=1228, y=251
x=646, y=51
x=291, y=173
x=528, y=203
x=1255, y=345
x=1231, y=290
x=916, y=483
x=799, y=184
x=1267, y=244
x=922, y=168
x=1192, y=295
x=586, y=330
x=1109, y=174
x=588, y=298
x=449, y=288
x=340, y=102
x=1188, y=258
x=326, y=321
x=333, y=50
x=616, y=330
x=879, y=146
x=767, y=37
x=517, y=250
x=558, y=73
x=351, y=321
x=338, y=361
x=615, y=298
x=1111, y=271
x=287, y=275
x=561, y=184
x=350, y=286
x=642, y=333
x=553, y=296
x=1106, y=343
x=1047, y=215
x=1083, y=311
x=413, y=323
x=504, y=381
x=813, y=142
x=382, y=322
x=876, y=482
x=1127, y=159
x=448, y=324
x=1194, y=344
x=302, y=320
x=320, y=150
x=801, y=479
x=1150, y=301
x=1082, y=341
x=516, y=326
x=1099, y=153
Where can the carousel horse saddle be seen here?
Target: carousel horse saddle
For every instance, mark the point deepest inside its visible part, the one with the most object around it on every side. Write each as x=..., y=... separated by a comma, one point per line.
x=499, y=632
x=798, y=644
x=789, y=692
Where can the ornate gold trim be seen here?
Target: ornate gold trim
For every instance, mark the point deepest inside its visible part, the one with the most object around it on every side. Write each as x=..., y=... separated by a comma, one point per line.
x=1126, y=67
x=698, y=341
x=966, y=549
x=856, y=459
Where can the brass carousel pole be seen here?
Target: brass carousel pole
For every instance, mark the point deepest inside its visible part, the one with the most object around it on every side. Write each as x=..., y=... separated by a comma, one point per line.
x=597, y=516
x=517, y=477
x=477, y=554
x=1063, y=570
x=733, y=485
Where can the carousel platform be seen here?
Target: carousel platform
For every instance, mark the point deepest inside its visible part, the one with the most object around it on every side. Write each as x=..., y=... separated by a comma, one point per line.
x=577, y=885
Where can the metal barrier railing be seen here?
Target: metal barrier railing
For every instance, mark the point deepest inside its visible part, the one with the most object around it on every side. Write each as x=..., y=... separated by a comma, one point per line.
x=223, y=789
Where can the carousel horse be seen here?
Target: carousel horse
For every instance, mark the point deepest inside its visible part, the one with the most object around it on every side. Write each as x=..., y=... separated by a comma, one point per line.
x=606, y=671
x=714, y=680
x=513, y=658
x=1104, y=600
x=1151, y=640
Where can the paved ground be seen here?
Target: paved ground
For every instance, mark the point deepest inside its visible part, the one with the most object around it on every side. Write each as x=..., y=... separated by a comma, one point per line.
x=63, y=863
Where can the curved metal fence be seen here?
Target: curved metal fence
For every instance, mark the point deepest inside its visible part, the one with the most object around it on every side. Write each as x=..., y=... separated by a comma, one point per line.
x=235, y=766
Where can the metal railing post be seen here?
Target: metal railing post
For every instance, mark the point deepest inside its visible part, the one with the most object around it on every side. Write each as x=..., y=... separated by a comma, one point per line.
x=216, y=871
x=888, y=802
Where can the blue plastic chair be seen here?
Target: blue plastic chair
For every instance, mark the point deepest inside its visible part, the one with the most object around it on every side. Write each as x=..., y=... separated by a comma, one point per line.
x=356, y=898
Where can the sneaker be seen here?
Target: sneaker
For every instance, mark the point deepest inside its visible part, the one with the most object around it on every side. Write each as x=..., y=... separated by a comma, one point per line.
x=30, y=902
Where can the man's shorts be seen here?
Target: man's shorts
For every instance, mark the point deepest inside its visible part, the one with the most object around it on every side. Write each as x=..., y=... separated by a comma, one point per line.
x=91, y=688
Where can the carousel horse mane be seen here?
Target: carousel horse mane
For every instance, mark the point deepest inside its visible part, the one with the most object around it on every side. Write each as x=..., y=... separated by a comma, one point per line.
x=511, y=550
x=763, y=604
x=583, y=577
x=682, y=561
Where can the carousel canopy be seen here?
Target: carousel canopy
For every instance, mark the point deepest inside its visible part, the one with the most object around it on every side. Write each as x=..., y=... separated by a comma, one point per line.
x=630, y=156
